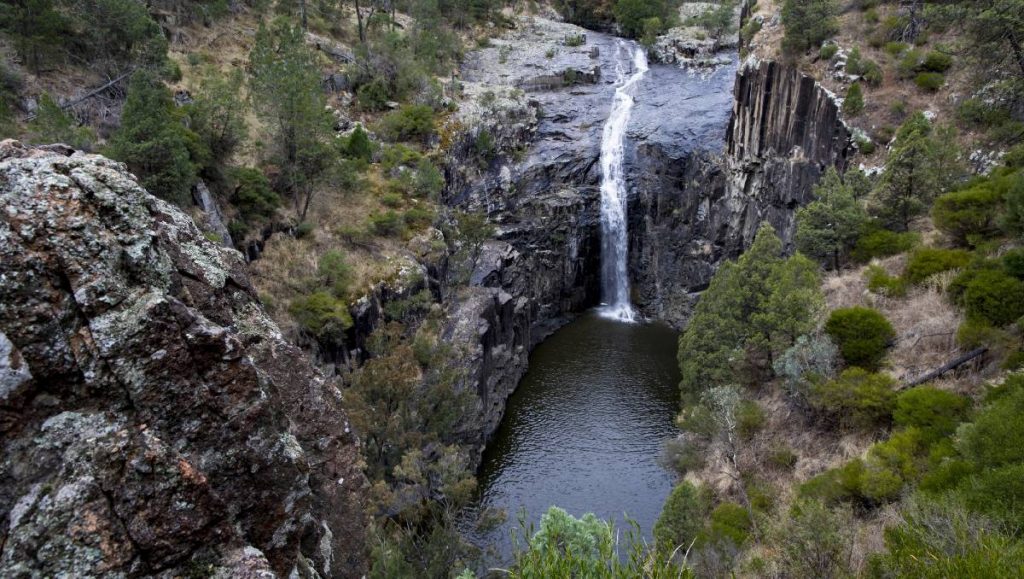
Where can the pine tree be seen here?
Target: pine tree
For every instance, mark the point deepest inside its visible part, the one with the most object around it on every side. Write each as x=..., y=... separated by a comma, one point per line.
x=36, y=27
x=153, y=142
x=753, y=310
x=828, y=227
x=808, y=23
x=217, y=116
x=286, y=95
x=919, y=168
x=853, y=104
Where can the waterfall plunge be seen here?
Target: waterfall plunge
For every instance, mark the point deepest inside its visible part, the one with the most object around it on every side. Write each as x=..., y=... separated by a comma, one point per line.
x=614, y=236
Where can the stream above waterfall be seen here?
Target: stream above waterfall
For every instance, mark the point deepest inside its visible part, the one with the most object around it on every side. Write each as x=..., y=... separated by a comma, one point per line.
x=585, y=428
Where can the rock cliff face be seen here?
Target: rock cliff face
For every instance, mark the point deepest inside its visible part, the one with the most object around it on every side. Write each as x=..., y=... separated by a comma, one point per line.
x=153, y=421
x=692, y=207
x=711, y=154
x=784, y=132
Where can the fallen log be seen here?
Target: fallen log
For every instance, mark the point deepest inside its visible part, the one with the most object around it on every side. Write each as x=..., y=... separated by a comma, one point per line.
x=951, y=365
x=90, y=94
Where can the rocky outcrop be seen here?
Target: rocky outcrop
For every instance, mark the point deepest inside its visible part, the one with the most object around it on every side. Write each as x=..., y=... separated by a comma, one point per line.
x=693, y=208
x=153, y=420
x=785, y=131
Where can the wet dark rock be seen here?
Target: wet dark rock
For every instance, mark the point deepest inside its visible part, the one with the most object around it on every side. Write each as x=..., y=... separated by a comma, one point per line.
x=154, y=421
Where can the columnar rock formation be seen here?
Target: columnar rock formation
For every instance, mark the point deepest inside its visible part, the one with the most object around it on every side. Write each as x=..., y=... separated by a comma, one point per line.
x=152, y=418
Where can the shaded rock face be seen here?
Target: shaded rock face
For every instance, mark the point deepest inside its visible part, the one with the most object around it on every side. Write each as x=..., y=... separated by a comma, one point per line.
x=711, y=154
x=691, y=207
x=153, y=420
x=785, y=131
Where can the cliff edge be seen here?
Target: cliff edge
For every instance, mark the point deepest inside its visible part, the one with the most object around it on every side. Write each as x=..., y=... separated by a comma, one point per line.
x=153, y=420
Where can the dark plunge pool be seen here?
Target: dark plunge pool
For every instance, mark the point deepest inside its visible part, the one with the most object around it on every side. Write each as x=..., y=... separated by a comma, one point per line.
x=585, y=428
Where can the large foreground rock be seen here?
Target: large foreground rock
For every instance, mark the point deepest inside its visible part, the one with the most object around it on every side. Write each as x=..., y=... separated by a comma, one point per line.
x=152, y=419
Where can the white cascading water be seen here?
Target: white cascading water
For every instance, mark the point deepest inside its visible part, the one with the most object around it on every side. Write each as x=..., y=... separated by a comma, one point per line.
x=614, y=235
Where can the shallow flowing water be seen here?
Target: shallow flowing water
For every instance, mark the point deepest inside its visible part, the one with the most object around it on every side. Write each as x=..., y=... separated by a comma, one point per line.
x=585, y=428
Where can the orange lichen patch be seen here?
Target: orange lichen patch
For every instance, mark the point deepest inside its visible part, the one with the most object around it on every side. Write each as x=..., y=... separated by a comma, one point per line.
x=190, y=473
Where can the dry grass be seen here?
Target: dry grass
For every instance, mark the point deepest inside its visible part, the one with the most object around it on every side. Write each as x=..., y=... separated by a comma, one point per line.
x=925, y=321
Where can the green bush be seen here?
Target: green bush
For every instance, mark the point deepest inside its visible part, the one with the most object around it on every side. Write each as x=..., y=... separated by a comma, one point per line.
x=1013, y=262
x=418, y=217
x=1014, y=361
x=853, y=104
x=730, y=523
x=936, y=61
x=322, y=315
x=930, y=81
x=304, y=230
x=783, y=457
x=374, y=95
x=808, y=23
x=977, y=333
x=858, y=398
x=153, y=142
x=925, y=262
x=1013, y=194
x=995, y=297
x=862, y=335
x=882, y=283
x=53, y=125
x=936, y=413
x=429, y=181
x=253, y=197
x=411, y=122
x=836, y=485
x=876, y=243
x=682, y=517
x=335, y=272
x=358, y=146
x=387, y=224
x=827, y=51
x=969, y=215
x=750, y=418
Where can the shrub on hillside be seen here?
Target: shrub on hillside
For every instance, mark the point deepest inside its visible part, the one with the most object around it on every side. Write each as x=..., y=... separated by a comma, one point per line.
x=995, y=297
x=857, y=398
x=853, y=104
x=411, y=122
x=936, y=61
x=930, y=81
x=936, y=413
x=730, y=524
x=1013, y=262
x=682, y=517
x=387, y=224
x=876, y=242
x=808, y=23
x=322, y=315
x=809, y=361
x=862, y=335
x=1013, y=216
x=925, y=262
x=969, y=215
x=882, y=283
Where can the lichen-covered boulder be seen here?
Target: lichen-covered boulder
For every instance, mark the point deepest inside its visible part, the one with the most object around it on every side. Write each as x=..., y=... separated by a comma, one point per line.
x=152, y=419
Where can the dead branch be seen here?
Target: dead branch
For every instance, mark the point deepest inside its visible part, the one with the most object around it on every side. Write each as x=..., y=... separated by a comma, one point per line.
x=951, y=365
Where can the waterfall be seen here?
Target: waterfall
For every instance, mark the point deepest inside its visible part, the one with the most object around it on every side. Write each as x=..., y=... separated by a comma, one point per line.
x=614, y=235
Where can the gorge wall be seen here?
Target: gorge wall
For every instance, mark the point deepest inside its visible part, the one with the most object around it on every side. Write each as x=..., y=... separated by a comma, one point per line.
x=154, y=421
x=712, y=154
x=693, y=207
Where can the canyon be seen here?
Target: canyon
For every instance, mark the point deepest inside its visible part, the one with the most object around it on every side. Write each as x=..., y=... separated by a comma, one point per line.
x=154, y=416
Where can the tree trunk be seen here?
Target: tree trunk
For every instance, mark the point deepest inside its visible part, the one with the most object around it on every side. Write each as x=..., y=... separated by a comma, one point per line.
x=302, y=13
x=359, y=20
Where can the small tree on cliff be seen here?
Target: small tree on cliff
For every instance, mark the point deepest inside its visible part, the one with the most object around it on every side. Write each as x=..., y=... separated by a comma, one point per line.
x=808, y=23
x=287, y=97
x=828, y=227
x=153, y=142
x=924, y=163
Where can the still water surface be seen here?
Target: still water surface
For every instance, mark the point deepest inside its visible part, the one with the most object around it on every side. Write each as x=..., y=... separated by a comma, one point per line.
x=585, y=427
